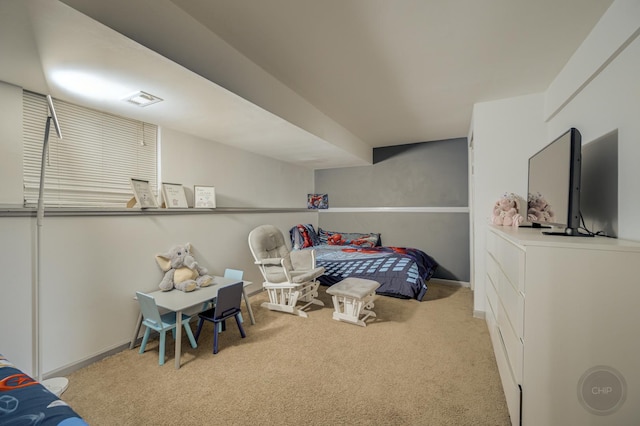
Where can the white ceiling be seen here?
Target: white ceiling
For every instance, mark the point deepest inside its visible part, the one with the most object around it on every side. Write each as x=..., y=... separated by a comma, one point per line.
x=404, y=71
x=349, y=74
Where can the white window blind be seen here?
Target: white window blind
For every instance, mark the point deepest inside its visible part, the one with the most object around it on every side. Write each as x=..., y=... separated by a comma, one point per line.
x=94, y=162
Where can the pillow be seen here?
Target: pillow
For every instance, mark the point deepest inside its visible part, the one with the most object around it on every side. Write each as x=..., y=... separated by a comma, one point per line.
x=303, y=236
x=334, y=238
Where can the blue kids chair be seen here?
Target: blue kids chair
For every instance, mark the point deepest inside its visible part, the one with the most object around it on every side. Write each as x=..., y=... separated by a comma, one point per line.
x=227, y=306
x=160, y=323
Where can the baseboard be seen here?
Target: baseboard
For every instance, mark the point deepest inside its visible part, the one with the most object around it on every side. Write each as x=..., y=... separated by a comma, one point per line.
x=253, y=290
x=479, y=314
x=68, y=369
x=476, y=314
x=449, y=282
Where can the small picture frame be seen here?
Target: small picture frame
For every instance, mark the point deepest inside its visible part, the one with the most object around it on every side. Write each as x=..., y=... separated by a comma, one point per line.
x=142, y=194
x=204, y=197
x=317, y=201
x=173, y=195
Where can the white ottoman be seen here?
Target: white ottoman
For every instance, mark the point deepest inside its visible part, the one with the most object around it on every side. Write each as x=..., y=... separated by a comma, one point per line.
x=353, y=297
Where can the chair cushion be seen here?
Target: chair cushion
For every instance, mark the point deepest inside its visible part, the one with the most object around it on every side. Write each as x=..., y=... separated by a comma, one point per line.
x=354, y=287
x=275, y=274
x=266, y=241
x=304, y=276
x=302, y=260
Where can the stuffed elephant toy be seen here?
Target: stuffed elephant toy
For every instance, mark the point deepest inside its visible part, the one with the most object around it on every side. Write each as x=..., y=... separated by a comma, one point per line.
x=181, y=270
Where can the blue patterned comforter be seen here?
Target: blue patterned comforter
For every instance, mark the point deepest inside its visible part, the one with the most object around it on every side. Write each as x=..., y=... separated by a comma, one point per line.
x=24, y=401
x=402, y=272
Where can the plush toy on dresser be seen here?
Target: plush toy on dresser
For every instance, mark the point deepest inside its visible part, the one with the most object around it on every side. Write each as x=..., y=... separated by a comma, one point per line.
x=181, y=270
x=538, y=209
x=506, y=211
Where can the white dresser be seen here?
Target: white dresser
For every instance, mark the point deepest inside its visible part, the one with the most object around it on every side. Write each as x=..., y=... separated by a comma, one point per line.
x=564, y=318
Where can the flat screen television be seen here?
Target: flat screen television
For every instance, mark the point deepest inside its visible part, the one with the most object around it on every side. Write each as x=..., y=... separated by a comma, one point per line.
x=554, y=185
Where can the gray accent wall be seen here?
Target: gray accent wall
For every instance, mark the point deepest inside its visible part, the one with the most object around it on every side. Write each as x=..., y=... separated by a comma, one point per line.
x=428, y=174
x=599, y=184
x=415, y=195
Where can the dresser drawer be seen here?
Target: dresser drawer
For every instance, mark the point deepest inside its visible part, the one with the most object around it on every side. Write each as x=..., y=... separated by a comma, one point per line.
x=492, y=297
x=492, y=269
x=490, y=318
x=513, y=345
x=512, y=302
x=511, y=260
x=492, y=243
x=511, y=388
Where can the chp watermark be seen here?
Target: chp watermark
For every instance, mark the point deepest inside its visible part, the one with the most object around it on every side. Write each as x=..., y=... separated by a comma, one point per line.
x=602, y=390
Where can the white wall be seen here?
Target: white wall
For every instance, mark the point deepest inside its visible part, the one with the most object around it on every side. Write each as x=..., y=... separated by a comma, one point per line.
x=610, y=101
x=504, y=133
x=92, y=265
x=241, y=179
x=10, y=144
x=16, y=263
x=597, y=92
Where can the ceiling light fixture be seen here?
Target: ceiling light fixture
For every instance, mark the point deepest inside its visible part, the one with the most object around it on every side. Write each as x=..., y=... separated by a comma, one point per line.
x=142, y=99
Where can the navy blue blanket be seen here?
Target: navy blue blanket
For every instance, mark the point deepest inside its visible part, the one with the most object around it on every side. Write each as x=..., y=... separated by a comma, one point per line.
x=402, y=272
x=24, y=401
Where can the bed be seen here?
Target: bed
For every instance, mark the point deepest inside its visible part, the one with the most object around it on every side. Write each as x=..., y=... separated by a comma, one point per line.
x=402, y=272
x=24, y=401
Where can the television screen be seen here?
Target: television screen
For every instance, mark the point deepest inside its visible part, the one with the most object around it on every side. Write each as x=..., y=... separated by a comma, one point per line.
x=554, y=184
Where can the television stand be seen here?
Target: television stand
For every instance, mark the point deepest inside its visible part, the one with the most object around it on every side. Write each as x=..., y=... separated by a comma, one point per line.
x=569, y=232
x=537, y=225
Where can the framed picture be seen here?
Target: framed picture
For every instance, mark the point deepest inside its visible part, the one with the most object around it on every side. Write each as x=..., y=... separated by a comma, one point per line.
x=173, y=195
x=317, y=201
x=204, y=197
x=142, y=194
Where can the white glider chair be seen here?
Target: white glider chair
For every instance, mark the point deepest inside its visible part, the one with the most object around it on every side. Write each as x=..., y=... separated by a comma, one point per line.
x=289, y=276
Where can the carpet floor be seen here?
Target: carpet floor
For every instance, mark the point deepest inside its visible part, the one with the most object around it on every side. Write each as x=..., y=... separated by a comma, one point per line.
x=417, y=363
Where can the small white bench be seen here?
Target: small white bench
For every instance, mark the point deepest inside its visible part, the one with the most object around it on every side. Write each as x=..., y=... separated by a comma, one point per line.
x=353, y=297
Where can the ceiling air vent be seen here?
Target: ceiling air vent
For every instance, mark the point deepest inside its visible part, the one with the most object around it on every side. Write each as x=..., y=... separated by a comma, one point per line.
x=142, y=99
